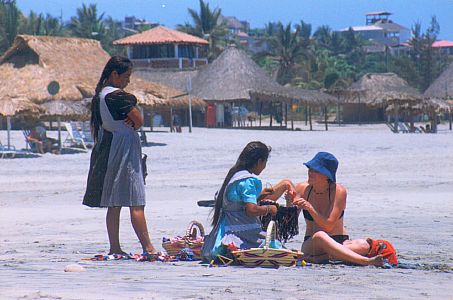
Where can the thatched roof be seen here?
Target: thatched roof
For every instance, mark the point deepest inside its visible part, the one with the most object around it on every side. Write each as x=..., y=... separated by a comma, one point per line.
x=234, y=75
x=66, y=109
x=160, y=35
x=313, y=97
x=11, y=106
x=442, y=87
x=382, y=89
x=176, y=79
x=76, y=64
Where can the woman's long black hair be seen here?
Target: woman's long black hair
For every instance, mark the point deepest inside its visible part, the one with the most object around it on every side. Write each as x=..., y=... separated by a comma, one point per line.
x=120, y=65
x=247, y=159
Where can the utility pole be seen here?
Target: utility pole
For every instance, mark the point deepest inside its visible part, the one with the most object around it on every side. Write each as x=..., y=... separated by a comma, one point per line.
x=189, y=89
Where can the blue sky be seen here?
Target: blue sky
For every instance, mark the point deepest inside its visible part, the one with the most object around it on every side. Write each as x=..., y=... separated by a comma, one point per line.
x=335, y=13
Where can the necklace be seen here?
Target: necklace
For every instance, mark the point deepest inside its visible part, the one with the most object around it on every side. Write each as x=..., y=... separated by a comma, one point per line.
x=321, y=193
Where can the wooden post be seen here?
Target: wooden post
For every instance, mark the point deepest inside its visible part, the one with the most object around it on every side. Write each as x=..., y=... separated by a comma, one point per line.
x=59, y=133
x=286, y=115
x=360, y=121
x=270, y=123
x=292, y=115
x=171, y=120
x=309, y=117
x=450, y=117
x=395, y=121
x=325, y=117
x=338, y=110
x=306, y=113
x=261, y=110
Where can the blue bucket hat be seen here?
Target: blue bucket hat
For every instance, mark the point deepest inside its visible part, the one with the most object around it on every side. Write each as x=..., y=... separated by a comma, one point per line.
x=324, y=163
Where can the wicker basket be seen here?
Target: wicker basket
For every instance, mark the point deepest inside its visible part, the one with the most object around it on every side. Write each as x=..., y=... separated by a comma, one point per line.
x=193, y=239
x=268, y=257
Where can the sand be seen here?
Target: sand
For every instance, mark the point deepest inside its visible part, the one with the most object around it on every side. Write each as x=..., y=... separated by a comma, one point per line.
x=400, y=188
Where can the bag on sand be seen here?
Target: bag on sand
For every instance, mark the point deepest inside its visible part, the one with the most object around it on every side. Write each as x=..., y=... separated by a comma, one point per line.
x=193, y=240
x=384, y=248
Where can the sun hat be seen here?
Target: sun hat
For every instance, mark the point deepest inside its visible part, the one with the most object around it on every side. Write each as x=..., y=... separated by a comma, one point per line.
x=324, y=163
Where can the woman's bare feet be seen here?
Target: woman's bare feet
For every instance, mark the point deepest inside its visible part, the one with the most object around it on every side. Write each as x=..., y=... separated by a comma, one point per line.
x=377, y=261
x=117, y=251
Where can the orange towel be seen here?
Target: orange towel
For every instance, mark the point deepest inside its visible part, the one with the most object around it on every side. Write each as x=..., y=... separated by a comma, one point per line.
x=383, y=248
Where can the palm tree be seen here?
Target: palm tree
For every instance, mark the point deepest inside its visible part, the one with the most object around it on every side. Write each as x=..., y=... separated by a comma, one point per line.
x=323, y=36
x=9, y=23
x=33, y=24
x=206, y=24
x=287, y=48
x=52, y=26
x=87, y=24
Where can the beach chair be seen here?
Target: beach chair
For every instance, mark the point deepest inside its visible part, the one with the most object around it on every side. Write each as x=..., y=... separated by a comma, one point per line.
x=73, y=138
x=402, y=127
x=86, y=132
x=29, y=146
x=5, y=151
x=83, y=130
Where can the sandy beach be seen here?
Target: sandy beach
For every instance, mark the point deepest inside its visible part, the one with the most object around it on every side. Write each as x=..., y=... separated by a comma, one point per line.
x=400, y=188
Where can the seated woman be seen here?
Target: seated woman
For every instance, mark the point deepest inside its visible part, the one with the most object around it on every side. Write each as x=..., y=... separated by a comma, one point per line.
x=236, y=211
x=323, y=202
x=40, y=142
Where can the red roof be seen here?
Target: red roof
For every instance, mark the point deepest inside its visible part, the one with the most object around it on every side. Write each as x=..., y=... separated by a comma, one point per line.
x=160, y=35
x=442, y=44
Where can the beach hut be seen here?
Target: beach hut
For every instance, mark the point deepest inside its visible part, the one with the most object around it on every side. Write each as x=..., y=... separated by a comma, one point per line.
x=379, y=90
x=234, y=81
x=442, y=88
x=162, y=47
x=44, y=68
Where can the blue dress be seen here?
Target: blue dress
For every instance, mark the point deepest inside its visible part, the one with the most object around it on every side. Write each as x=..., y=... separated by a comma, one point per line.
x=243, y=188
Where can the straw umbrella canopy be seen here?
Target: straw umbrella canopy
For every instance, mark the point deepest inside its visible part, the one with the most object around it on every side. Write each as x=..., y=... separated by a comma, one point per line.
x=11, y=106
x=233, y=76
x=442, y=87
x=33, y=62
x=378, y=89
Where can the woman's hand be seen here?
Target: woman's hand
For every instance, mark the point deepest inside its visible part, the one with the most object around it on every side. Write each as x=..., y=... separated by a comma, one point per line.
x=301, y=203
x=265, y=193
x=129, y=122
x=273, y=210
x=290, y=195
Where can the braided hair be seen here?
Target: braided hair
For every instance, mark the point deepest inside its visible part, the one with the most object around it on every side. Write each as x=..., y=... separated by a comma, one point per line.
x=120, y=65
x=248, y=158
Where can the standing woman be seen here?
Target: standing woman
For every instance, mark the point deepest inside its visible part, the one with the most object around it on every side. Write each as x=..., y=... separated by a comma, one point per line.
x=236, y=210
x=115, y=178
x=323, y=203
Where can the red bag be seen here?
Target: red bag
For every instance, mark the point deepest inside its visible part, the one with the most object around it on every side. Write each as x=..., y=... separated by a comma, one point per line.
x=383, y=248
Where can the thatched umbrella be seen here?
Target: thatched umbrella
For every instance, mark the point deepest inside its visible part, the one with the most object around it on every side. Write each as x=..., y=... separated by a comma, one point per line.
x=33, y=62
x=235, y=77
x=442, y=88
x=11, y=106
x=383, y=89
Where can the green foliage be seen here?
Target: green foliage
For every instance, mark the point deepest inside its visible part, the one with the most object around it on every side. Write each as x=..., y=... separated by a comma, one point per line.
x=87, y=23
x=206, y=25
x=9, y=23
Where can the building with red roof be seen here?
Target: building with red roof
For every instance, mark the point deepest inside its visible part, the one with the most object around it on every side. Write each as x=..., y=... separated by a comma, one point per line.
x=445, y=46
x=162, y=47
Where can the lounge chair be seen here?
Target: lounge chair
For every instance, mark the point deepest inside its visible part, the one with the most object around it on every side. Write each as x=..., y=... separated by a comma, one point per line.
x=29, y=145
x=5, y=151
x=74, y=138
x=402, y=128
x=83, y=130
